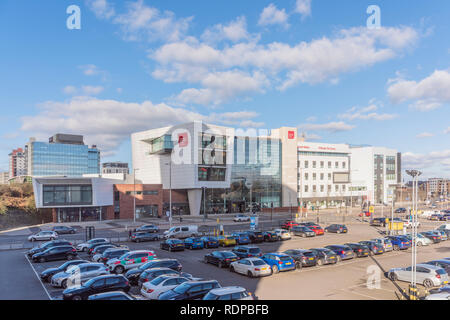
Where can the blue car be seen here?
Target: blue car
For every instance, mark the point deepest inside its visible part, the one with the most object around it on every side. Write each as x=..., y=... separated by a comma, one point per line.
x=193, y=243
x=399, y=242
x=241, y=238
x=343, y=252
x=279, y=262
x=210, y=242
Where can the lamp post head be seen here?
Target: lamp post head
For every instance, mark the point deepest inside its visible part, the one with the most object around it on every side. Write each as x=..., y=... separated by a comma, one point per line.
x=413, y=173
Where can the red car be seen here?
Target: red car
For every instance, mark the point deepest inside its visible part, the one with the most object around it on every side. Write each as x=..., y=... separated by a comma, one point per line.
x=288, y=224
x=366, y=213
x=317, y=230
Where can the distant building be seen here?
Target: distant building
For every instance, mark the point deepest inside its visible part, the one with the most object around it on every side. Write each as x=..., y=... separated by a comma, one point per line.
x=17, y=163
x=437, y=187
x=115, y=167
x=62, y=155
x=4, y=176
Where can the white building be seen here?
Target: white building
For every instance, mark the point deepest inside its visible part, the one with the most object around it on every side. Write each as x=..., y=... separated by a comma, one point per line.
x=4, y=176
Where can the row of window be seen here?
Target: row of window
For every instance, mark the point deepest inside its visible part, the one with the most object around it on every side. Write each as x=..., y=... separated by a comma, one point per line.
x=322, y=164
x=211, y=174
x=145, y=192
x=314, y=176
x=73, y=194
x=322, y=188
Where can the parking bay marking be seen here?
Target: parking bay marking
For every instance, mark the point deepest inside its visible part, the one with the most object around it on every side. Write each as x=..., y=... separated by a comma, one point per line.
x=39, y=278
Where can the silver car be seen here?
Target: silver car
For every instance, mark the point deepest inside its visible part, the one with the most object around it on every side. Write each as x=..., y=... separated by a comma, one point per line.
x=84, y=246
x=252, y=267
x=428, y=275
x=386, y=243
x=43, y=235
x=229, y=293
x=77, y=275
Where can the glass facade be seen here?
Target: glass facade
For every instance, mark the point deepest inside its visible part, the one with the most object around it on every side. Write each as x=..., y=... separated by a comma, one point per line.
x=55, y=159
x=64, y=195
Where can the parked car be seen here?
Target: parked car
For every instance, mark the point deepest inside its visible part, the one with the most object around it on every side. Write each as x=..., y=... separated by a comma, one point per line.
x=241, y=218
x=210, y=242
x=318, y=230
x=98, y=251
x=256, y=236
x=152, y=273
x=55, y=253
x=445, y=288
x=443, y=234
x=421, y=240
x=43, y=235
x=247, y=251
x=270, y=236
x=91, y=248
x=435, y=217
x=343, y=252
x=47, y=274
x=84, y=246
x=181, y=232
x=133, y=274
x=436, y=238
x=172, y=245
x=385, y=243
x=302, y=257
x=112, y=295
x=400, y=210
x=438, y=296
x=161, y=284
x=221, y=258
x=427, y=275
x=97, y=285
x=282, y=234
x=251, y=267
x=374, y=247
x=46, y=245
x=142, y=236
x=228, y=293
x=325, y=256
x=76, y=275
x=112, y=253
x=336, y=228
x=190, y=290
x=279, y=262
x=130, y=260
x=226, y=241
x=399, y=242
x=288, y=224
x=241, y=237
x=64, y=230
x=378, y=222
x=147, y=228
x=409, y=224
x=359, y=249
x=193, y=243
x=444, y=264
x=303, y=231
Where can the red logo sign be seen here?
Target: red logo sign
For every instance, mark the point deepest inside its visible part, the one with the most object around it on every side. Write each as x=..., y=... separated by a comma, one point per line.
x=183, y=140
x=291, y=135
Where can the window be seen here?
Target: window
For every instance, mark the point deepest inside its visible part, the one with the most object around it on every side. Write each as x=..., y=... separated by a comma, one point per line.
x=336, y=164
x=306, y=164
x=314, y=164
x=211, y=174
x=314, y=188
x=343, y=187
x=336, y=188
x=329, y=176
x=67, y=194
x=321, y=188
x=321, y=176
x=321, y=164
x=306, y=188
x=314, y=176
x=306, y=175
x=343, y=165
x=329, y=164
x=329, y=188
x=112, y=281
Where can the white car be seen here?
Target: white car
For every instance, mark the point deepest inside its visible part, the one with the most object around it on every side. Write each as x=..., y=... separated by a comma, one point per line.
x=408, y=223
x=77, y=275
x=241, y=218
x=252, y=267
x=428, y=275
x=438, y=296
x=421, y=240
x=43, y=235
x=152, y=289
x=83, y=246
x=428, y=213
x=228, y=293
x=282, y=234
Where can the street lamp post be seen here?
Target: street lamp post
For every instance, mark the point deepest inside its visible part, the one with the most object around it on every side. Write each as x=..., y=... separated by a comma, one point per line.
x=170, y=190
x=134, y=195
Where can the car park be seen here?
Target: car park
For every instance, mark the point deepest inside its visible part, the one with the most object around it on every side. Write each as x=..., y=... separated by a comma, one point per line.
x=172, y=245
x=190, y=290
x=427, y=275
x=193, y=243
x=55, y=253
x=251, y=267
x=247, y=251
x=228, y=293
x=270, y=236
x=241, y=218
x=303, y=231
x=152, y=273
x=92, y=247
x=444, y=264
x=181, y=232
x=435, y=217
x=343, y=252
x=279, y=262
x=210, y=242
x=385, y=243
x=282, y=234
x=302, y=257
x=84, y=246
x=336, y=228
x=221, y=258
x=256, y=236
x=133, y=274
x=409, y=224
x=112, y=253
x=112, y=295
x=46, y=245
x=130, y=260
x=142, y=236
x=399, y=242
x=97, y=285
x=374, y=247
x=64, y=230
x=43, y=236
x=147, y=228
x=226, y=241
x=241, y=237
x=47, y=274
x=153, y=289
x=76, y=275
x=359, y=249
x=325, y=256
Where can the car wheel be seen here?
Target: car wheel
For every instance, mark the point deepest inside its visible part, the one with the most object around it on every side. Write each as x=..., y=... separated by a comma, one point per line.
x=419, y=244
x=393, y=277
x=303, y=235
x=64, y=284
x=249, y=274
x=396, y=247
x=339, y=259
x=275, y=269
x=84, y=249
x=70, y=257
x=76, y=298
x=339, y=231
x=137, y=240
x=42, y=259
x=205, y=260
x=119, y=270
x=298, y=265
x=220, y=265
x=428, y=283
x=33, y=240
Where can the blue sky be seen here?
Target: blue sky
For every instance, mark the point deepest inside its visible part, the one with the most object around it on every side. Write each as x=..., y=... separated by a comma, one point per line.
x=137, y=65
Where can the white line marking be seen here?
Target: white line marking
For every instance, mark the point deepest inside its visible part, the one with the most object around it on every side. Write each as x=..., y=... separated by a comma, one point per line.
x=39, y=278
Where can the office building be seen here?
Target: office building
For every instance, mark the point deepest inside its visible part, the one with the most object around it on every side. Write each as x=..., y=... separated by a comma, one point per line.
x=438, y=187
x=17, y=163
x=115, y=167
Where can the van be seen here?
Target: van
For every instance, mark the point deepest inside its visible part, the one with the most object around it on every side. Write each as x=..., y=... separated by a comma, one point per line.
x=181, y=232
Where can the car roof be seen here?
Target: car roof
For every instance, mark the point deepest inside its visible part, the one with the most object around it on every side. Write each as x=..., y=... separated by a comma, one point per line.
x=91, y=264
x=141, y=251
x=227, y=290
x=428, y=266
x=253, y=259
x=149, y=270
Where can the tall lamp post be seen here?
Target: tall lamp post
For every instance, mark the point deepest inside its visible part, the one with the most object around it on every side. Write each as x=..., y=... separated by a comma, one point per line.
x=413, y=287
x=170, y=190
x=134, y=195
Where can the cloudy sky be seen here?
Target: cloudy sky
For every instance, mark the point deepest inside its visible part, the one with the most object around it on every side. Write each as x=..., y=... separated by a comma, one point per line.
x=311, y=64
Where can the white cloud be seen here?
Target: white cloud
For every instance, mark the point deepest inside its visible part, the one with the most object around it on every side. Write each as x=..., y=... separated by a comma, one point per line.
x=329, y=127
x=92, y=90
x=424, y=135
x=366, y=113
x=272, y=16
x=101, y=8
x=437, y=159
x=303, y=7
x=71, y=90
x=91, y=70
x=234, y=31
x=446, y=131
x=428, y=94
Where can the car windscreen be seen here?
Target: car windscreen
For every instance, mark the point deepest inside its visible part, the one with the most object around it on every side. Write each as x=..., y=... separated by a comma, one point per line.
x=158, y=280
x=254, y=250
x=258, y=262
x=228, y=254
x=211, y=296
x=309, y=254
x=182, y=288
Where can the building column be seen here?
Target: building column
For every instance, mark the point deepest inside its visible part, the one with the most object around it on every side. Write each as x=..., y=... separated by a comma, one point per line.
x=79, y=214
x=195, y=201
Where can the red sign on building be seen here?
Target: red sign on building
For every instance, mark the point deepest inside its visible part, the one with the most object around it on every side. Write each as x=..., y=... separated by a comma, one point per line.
x=183, y=140
x=291, y=135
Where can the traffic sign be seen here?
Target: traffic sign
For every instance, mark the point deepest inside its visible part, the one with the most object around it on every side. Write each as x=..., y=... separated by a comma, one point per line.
x=371, y=209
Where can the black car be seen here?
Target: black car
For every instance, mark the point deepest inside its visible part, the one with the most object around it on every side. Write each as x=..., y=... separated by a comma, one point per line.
x=444, y=264
x=133, y=274
x=325, y=256
x=256, y=236
x=359, y=249
x=190, y=290
x=172, y=245
x=302, y=257
x=113, y=295
x=64, y=230
x=102, y=248
x=221, y=258
x=400, y=210
x=147, y=228
x=336, y=228
x=150, y=274
x=432, y=236
x=112, y=253
x=55, y=253
x=378, y=222
x=97, y=285
x=46, y=245
x=247, y=251
x=144, y=236
x=47, y=274
x=270, y=236
x=374, y=247
x=92, y=246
